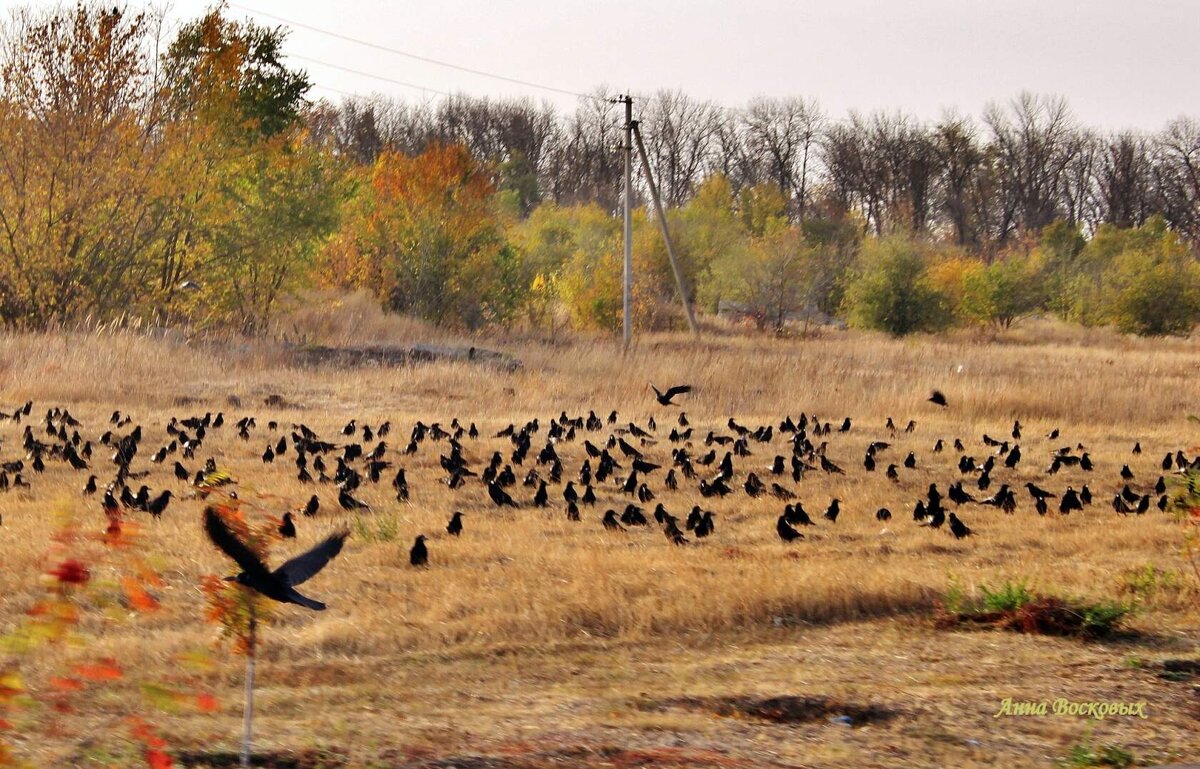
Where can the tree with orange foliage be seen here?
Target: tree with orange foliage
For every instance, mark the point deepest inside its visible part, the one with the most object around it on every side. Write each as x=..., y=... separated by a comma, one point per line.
x=425, y=237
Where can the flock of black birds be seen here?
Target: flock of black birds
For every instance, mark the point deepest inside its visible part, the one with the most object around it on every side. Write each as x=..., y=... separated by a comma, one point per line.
x=718, y=464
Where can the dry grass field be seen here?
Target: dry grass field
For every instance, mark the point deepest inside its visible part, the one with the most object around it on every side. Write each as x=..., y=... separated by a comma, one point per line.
x=534, y=641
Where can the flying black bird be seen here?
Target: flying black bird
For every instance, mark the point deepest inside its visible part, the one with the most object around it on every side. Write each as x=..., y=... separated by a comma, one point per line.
x=455, y=526
x=419, y=555
x=280, y=584
x=937, y=398
x=664, y=399
x=287, y=529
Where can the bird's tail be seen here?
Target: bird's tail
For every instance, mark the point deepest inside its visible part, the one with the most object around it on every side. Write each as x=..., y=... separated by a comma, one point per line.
x=306, y=602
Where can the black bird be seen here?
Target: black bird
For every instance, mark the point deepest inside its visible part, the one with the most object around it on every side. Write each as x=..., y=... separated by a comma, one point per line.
x=287, y=529
x=348, y=502
x=796, y=515
x=610, y=521
x=785, y=531
x=419, y=555
x=937, y=398
x=1070, y=501
x=831, y=514
x=157, y=505
x=830, y=467
x=664, y=399
x=1126, y=473
x=90, y=487
x=1037, y=493
x=181, y=472
x=883, y=514
x=280, y=584
x=455, y=526
x=781, y=493
x=499, y=496
x=958, y=528
x=959, y=496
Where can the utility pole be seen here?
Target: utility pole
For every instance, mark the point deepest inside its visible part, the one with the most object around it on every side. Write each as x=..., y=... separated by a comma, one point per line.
x=662, y=223
x=628, y=152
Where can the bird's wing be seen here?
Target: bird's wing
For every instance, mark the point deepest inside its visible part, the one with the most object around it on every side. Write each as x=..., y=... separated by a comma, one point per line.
x=678, y=390
x=220, y=534
x=304, y=566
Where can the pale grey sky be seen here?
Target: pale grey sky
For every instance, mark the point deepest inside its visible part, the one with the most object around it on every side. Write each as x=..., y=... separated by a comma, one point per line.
x=1120, y=63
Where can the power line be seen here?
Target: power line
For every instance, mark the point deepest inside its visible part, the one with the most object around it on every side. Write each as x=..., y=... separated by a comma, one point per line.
x=409, y=54
x=368, y=74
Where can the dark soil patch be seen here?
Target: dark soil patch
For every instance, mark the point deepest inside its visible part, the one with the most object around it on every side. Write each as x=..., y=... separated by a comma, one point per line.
x=1180, y=670
x=787, y=709
x=303, y=759
x=400, y=356
x=610, y=757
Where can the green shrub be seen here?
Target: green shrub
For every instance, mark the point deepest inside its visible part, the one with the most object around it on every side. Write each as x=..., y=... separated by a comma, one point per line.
x=1009, y=596
x=892, y=291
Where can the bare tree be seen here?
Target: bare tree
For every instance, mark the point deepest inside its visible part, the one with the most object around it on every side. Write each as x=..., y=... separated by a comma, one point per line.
x=1177, y=176
x=1125, y=180
x=782, y=135
x=1032, y=140
x=680, y=135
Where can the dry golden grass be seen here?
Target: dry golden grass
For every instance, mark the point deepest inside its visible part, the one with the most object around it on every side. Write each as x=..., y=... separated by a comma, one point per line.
x=543, y=640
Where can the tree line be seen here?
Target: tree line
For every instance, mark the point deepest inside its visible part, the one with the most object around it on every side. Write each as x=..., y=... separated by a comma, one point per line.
x=193, y=180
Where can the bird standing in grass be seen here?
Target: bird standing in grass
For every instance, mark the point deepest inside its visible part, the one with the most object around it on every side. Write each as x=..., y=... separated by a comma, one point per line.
x=287, y=529
x=419, y=555
x=455, y=526
x=937, y=398
x=348, y=502
x=785, y=530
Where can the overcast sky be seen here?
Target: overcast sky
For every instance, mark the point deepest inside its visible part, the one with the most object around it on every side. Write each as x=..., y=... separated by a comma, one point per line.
x=1120, y=63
